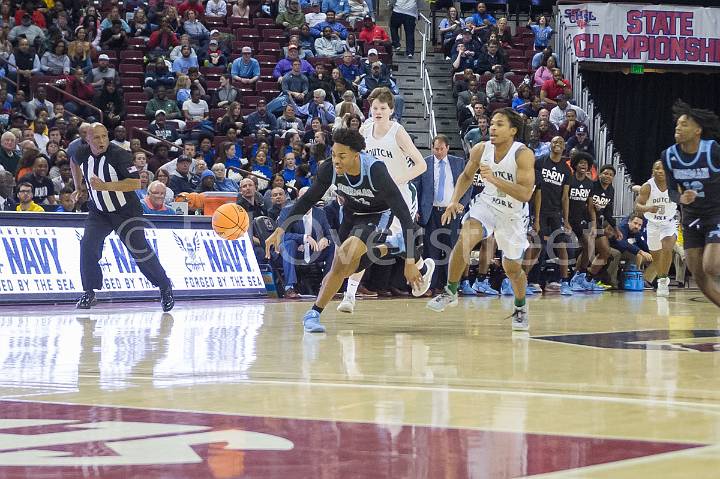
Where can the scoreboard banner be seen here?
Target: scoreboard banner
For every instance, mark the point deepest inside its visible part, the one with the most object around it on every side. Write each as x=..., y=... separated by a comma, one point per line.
x=645, y=34
x=39, y=262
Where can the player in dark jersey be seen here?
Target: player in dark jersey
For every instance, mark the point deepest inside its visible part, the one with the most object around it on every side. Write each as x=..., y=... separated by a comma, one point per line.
x=580, y=214
x=371, y=200
x=603, y=197
x=692, y=170
x=553, y=176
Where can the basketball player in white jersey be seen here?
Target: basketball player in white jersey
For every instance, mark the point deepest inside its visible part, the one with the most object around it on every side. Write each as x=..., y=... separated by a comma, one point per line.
x=387, y=140
x=508, y=170
x=654, y=202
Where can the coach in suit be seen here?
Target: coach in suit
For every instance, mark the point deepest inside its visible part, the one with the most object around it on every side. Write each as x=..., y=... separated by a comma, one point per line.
x=312, y=233
x=435, y=189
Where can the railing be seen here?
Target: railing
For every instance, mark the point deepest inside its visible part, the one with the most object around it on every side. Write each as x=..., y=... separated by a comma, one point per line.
x=428, y=113
x=604, y=151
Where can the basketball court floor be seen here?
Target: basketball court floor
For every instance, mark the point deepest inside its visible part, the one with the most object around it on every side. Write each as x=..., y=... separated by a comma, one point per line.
x=612, y=385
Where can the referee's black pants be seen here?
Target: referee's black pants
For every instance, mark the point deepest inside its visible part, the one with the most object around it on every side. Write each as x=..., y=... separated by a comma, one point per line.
x=130, y=228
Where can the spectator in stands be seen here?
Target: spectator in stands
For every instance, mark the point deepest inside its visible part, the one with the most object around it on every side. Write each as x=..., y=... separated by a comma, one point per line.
x=140, y=25
x=120, y=138
x=260, y=167
x=313, y=15
x=55, y=62
x=102, y=72
x=250, y=199
x=9, y=155
x=25, y=199
x=320, y=79
x=372, y=34
x=450, y=28
x=182, y=89
x=184, y=62
x=540, y=148
x=503, y=33
x=7, y=186
x=177, y=50
x=330, y=21
x=246, y=69
x=163, y=177
x=39, y=128
x=559, y=113
x=571, y=123
x=557, y=86
x=233, y=118
x=66, y=200
x=478, y=134
x=547, y=130
x=305, y=42
x=27, y=29
x=581, y=141
x=285, y=65
x=43, y=189
x=523, y=97
x=158, y=74
x=80, y=51
x=216, y=8
x=161, y=102
x=543, y=32
x=358, y=10
x=214, y=56
x=481, y=18
x=307, y=238
x=110, y=100
x=531, y=110
x=289, y=121
x=279, y=200
x=140, y=160
x=467, y=51
x=329, y=44
x=294, y=88
x=319, y=108
x=222, y=182
x=224, y=42
x=473, y=90
x=376, y=80
x=191, y=5
x=405, y=14
x=183, y=181
x=541, y=57
x=474, y=121
x=162, y=40
x=373, y=57
x=241, y=9
x=198, y=33
x=291, y=19
x=499, y=89
x=195, y=109
x=76, y=86
x=207, y=182
x=154, y=201
x=114, y=38
x=545, y=71
x=113, y=16
x=25, y=63
x=463, y=114
x=226, y=93
x=486, y=61
x=163, y=129
x=261, y=121
x=159, y=159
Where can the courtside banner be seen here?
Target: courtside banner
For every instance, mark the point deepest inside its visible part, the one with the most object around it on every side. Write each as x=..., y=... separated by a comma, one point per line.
x=43, y=263
x=651, y=34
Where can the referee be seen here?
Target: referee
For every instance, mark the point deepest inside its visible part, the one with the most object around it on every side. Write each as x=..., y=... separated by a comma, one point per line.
x=114, y=206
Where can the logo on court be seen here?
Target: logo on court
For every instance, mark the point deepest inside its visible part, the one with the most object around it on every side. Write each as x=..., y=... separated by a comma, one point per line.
x=128, y=443
x=692, y=340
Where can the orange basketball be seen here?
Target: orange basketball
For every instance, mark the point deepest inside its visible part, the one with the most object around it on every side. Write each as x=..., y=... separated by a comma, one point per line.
x=230, y=221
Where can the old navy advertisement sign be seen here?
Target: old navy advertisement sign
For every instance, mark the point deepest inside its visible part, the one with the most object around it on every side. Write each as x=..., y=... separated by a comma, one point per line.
x=45, y=261
x=651, y=34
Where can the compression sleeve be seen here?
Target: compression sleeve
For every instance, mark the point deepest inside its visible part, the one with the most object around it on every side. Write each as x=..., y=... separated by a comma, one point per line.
x=383, y=182
x=314, y=194
x=672, y=185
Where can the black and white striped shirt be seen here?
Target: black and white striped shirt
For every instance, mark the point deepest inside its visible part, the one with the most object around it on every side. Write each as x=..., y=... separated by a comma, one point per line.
x=113, y=165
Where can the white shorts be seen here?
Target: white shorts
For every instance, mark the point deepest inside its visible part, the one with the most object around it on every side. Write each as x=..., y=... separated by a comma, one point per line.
x=409, y=193
x=510, y=233
x=657, y=231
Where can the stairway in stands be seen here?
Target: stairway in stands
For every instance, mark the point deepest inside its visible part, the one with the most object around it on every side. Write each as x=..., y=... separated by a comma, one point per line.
x=407, y=74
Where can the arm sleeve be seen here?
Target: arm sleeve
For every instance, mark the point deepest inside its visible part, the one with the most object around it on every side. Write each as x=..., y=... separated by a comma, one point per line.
x=672, y=185
x=382, y=181
x=312, y=195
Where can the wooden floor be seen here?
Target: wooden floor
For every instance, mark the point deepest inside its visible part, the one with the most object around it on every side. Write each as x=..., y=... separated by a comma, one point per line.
x=611, y=385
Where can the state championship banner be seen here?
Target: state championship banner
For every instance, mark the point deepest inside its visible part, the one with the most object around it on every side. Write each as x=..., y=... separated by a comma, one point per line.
x=43, y=262
x=652, y=34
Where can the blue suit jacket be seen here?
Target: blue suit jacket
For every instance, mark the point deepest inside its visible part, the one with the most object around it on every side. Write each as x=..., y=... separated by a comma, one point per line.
x=425, y=185
x=296, y=229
